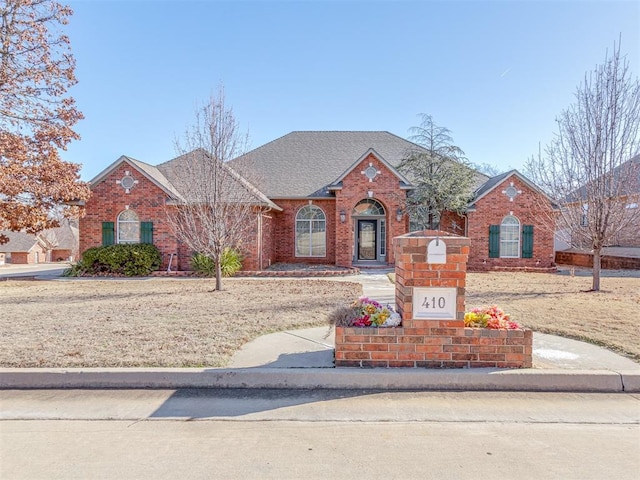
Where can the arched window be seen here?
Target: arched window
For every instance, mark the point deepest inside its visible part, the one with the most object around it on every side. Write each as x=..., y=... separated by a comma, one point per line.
x=311, y=232
x=510, y=237
x=368, y=207
x=128, y=227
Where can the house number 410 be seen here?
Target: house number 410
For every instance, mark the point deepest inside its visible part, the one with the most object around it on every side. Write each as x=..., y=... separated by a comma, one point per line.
x=436, y=302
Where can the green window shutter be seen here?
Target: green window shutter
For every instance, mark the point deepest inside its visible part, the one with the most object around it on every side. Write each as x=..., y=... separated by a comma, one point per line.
x=146, y=232
x=527, y=241
x=108, y=234
x=494, y=241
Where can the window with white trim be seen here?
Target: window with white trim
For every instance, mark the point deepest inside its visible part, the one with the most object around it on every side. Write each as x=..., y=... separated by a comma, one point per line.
x=128, y=227
x=584, y=218
x=510, y=237
x=311, y=232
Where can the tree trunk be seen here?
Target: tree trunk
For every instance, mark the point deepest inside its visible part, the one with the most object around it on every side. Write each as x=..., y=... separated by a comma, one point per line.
x=596, y=270
x=218, y=275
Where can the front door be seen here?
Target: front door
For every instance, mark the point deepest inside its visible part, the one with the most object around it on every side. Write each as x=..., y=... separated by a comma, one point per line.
x=367, y=234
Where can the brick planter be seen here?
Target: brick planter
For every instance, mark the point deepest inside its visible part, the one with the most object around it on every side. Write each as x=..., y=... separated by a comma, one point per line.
x=421, y=341
x=433, y=347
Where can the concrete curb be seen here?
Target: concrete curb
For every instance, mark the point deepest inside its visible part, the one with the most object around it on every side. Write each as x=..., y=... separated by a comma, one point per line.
x=630, y=381
x=481, y=379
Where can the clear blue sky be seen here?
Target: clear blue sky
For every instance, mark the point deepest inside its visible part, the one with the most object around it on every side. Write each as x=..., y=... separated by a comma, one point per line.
x=495, y=73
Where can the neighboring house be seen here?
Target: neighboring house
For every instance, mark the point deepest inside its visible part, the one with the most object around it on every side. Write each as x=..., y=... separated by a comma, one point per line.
x=64, y=241
x=321, y=197
x=626, y=193
x=24, y=248
x=53, y=245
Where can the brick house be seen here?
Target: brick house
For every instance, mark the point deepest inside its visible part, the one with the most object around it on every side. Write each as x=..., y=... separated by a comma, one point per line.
x=52, y=245
x=24, y=248
x=625, y=205
x=321, y=197
x=509, y=224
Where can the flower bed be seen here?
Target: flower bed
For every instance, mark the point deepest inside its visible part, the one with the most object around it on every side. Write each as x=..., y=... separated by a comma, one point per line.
x=373, y=314
x=368, y=334
x=489, y=317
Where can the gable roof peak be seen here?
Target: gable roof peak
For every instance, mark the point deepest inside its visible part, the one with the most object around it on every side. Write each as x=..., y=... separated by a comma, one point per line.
x=150, y=172
x=497, y=180
x=302, y=164
x=362, y=158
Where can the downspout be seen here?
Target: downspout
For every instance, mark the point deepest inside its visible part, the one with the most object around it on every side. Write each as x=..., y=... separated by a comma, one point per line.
x=259, y=240
x=466, y=224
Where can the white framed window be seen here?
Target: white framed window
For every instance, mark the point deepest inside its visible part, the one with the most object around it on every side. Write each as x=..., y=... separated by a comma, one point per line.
x=383, y=237
x=584, y=218
x=311, y=232
x=128, y=227
x=510, y=237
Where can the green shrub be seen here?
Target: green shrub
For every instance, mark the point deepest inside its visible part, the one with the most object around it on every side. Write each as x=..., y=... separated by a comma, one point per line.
x=131, y=260
x=203, y=265
x=76, y=270
x=230, y=263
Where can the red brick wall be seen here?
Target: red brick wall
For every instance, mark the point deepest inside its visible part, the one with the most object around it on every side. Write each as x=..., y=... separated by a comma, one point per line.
x=355, y=187
x=256, y=247
x=453, y=223
x=580, y=259
x=268, y=240
x=61, y=254
x=284, y=234
x=530, y=208
x=109, y=199
x=30, y=256
x=431, y=343
x=20, y=258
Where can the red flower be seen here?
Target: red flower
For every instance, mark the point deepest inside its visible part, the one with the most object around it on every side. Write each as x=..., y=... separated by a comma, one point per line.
x=362, y=322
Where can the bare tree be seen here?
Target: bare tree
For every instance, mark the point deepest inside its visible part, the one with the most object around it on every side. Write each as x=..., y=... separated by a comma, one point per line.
x=487, y=169
x=219, y=206
x=36, y=116
x=442, y=176
x=588, y=167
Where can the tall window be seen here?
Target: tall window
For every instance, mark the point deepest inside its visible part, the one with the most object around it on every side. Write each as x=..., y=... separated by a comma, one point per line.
x=311, y=232
x=128, y=227
x=510, y=237
x=584, y=218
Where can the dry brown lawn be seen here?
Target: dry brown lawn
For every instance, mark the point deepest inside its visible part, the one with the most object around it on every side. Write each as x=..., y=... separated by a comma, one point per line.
x=562, y=305
x=153, y=322
x=182, y=322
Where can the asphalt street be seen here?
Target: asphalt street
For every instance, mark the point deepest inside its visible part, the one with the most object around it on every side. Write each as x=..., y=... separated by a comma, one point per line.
x=302, y=434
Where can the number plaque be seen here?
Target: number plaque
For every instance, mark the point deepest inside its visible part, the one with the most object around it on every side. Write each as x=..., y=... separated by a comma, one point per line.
x=436, y=303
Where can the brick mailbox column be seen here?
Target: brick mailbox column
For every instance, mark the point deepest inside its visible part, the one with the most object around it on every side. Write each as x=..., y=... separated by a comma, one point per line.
x=430, y=295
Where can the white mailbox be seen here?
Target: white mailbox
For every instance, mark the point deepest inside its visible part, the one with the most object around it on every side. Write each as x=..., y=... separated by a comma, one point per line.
x=437, y=251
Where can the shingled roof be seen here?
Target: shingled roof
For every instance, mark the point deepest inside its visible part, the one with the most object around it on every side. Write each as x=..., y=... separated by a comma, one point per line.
x=149, y=171
x=630, y=186
x=175, y=170
x=18, y=242
x=493, y=182
x=305, y=164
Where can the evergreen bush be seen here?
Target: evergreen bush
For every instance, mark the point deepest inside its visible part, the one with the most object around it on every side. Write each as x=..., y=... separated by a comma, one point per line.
x=131, y=260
